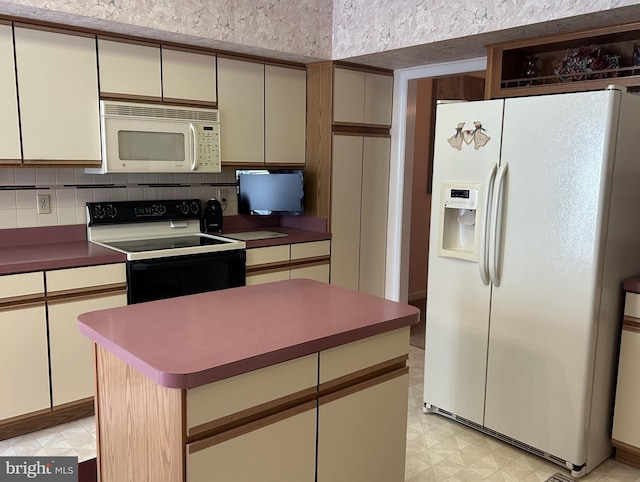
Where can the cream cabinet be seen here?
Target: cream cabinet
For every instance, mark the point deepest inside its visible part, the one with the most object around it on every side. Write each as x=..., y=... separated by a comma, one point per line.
x=362, y=430
x=626, y=422
x=362, y=97
x=58, y=97
x=9, y=125
x=285, y=115
x=241, y=106
x=47, y=364
x=188, y=76
x=23, y=346
x=72, y=292
x=359, y=198
x=300, y=260
x=128, y=69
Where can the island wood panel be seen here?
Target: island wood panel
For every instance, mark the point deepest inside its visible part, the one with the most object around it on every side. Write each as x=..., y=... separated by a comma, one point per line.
x=145, y=434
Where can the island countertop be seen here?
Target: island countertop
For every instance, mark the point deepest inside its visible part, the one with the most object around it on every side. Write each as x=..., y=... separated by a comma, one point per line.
x=193, y=340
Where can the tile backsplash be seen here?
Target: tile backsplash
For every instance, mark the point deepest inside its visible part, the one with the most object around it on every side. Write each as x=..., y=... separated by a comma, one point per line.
x=70, y=189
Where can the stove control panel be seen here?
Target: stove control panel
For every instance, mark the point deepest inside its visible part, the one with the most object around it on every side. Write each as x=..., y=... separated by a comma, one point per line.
x=132, y=211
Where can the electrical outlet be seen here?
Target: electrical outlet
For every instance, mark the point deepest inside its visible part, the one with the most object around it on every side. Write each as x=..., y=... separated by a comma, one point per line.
x=44, y=203
x=223, y=194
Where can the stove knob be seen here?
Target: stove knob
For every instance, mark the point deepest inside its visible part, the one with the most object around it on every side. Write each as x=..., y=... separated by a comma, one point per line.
x=195, y=207
x=98, y=211
x=184, y=207
x=111, y=211
x=161, y=209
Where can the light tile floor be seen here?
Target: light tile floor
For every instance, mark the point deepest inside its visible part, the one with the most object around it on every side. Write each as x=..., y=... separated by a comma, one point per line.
x=438, y=449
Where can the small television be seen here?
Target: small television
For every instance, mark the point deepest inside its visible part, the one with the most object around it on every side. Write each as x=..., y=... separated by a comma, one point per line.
x=270, y=191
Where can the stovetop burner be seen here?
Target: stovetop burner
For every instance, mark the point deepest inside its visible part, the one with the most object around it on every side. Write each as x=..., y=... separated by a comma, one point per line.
x=137, y=245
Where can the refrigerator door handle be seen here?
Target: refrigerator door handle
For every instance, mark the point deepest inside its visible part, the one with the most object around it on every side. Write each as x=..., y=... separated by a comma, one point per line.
x=484, y=234
x=496, y=224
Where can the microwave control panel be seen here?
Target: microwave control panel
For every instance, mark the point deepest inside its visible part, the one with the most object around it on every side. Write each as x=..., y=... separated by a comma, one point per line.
x=207, y=145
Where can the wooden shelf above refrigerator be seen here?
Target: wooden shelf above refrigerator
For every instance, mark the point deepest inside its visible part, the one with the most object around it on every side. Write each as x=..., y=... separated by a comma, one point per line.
x=506, y=62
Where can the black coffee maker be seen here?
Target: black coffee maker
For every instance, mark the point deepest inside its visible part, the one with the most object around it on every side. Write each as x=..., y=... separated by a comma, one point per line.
x=212, y=216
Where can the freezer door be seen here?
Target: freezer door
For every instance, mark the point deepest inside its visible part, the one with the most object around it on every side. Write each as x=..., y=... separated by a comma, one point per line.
x=457, y=316
x=543, y=314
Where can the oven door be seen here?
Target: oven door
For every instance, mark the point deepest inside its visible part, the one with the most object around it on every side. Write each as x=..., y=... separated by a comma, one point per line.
x=159, y=278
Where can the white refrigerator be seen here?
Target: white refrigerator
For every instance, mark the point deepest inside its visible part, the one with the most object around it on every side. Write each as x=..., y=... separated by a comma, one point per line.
x=535, y=224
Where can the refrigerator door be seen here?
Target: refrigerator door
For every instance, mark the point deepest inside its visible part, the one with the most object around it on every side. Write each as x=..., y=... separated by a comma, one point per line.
x=457, y=316
x=544, y=313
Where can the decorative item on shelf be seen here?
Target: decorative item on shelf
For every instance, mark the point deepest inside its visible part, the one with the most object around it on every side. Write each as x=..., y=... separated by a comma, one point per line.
x=588, y=62
x=635, y=59
x=530, y=69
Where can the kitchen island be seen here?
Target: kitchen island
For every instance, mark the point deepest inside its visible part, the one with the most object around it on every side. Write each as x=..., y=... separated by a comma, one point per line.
x=280, y=381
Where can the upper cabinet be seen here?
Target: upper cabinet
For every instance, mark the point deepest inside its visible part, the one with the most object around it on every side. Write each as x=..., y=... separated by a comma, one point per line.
x=241, y=106
x=9, y=124
x=129, y=70
x=140, y=71
x=188, y=76
x=362, y=97
x=285, y=114
x=58, y=97
x=568, y=62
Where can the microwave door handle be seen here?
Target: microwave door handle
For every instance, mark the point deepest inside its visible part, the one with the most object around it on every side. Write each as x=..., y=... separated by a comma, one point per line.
x=194, y=147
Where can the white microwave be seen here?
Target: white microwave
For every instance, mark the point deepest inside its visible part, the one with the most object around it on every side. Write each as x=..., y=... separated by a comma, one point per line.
x=145, y=138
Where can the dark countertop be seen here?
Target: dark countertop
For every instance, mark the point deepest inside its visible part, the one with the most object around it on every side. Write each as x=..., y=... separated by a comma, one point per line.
x=56, y=247
x=188, y=341
x=632, y=285
x=299, y=229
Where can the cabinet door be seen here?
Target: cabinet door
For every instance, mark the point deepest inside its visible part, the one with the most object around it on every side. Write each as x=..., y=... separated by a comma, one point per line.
x=10, y=140
x=346, y=186
x=283, y=450
x=241, y=106
x=362, y=435
x=25, y=365
x=128, y=69
x=318, y=272
x=188, y=76
x=71, y=355
x=373, y=221
x=58, y=92
x=378, y=96
x=626, y=423
x=348, y=96
x=285, y=115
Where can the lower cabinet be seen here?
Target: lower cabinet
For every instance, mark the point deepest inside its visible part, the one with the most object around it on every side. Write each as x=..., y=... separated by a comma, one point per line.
x=283, y=450
x=362, y=435
x=277, y=263
x=338, y=415
x=25, y=365
x=71, y=355
x=47, y=365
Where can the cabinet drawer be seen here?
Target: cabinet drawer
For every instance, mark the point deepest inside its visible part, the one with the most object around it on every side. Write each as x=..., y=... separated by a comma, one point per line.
x=269, y=277
x=85, y=277
x=268, y=255
x=310, y=250
x=318, y=272
x=632, y=305
x=358, y=355
x=23, y=284
x=233, y=396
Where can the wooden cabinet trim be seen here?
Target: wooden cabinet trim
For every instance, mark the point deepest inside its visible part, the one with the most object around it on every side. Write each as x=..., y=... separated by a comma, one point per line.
x=631, y=324
x=19, y=302
x=127, y=40
x=267, y=268
x=362, y=68
x=309, y=262
x=250, y=415
x=330, y=397
x=54, y=29
x=130, y=97
x=86, y=293
x=189, y=103
x=360, y=376
x=627, y=454
x=250, y=427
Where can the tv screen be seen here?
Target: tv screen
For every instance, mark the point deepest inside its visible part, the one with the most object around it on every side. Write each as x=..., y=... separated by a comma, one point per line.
x=270, y=191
